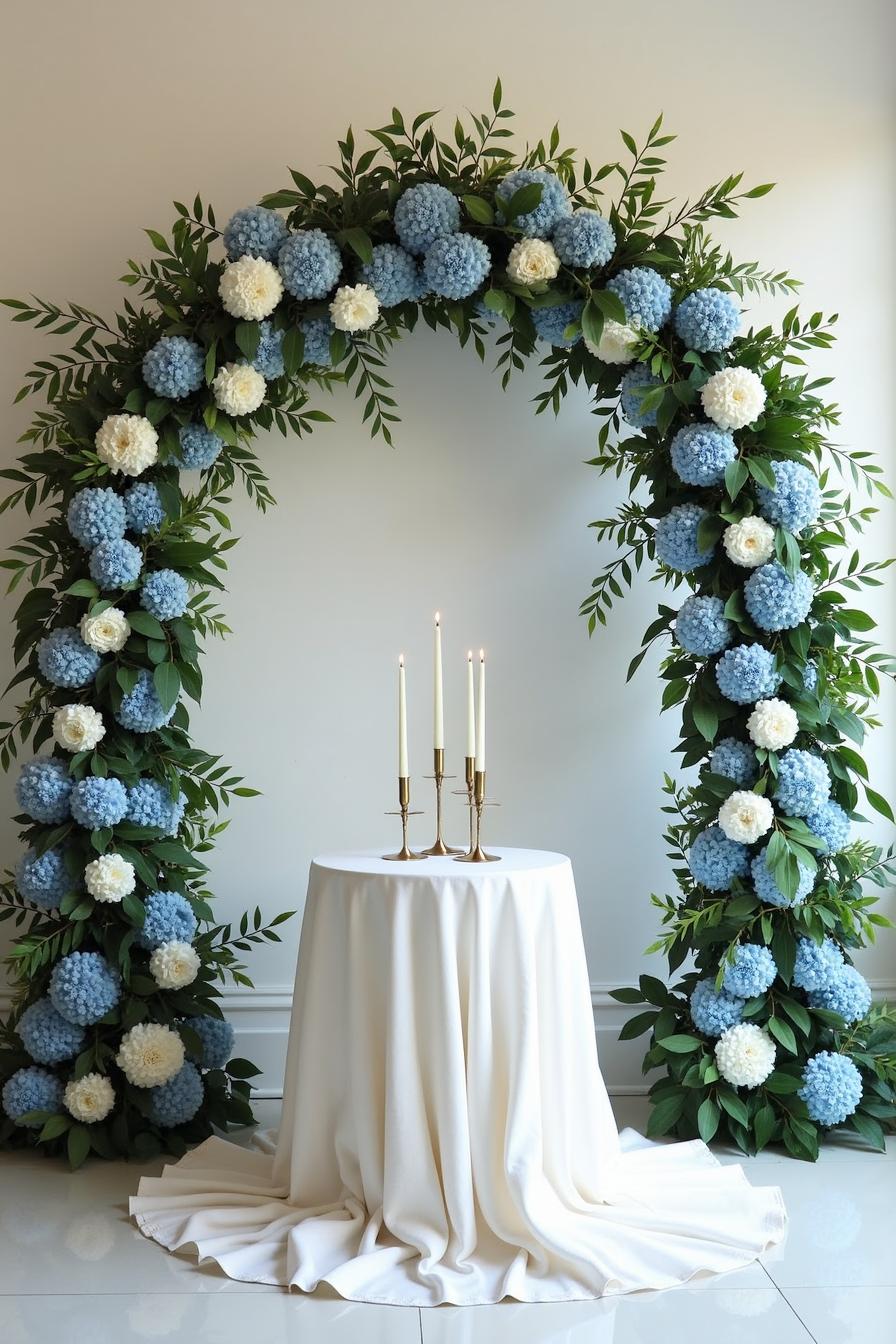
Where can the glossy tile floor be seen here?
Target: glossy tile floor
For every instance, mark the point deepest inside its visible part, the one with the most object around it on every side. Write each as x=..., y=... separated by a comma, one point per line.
x=73, y=1270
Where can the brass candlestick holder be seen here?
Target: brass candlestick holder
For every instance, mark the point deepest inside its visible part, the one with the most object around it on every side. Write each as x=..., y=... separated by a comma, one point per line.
x=439, y=848
x=477, y=802
x=469, y=779
x=404, y=798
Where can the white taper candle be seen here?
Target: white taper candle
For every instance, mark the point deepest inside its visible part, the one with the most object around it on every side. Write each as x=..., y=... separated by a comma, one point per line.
x=480, y=715
x=438, y=726
x=402, y=722
x=471, y=710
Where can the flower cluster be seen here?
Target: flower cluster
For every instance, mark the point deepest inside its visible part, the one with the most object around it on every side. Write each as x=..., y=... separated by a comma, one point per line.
x=735, y=760
x=309, y=264
x=804, y=783
x=775, y=600
x=831, y=825
x=676, y=538
x=584, y=239
x=97, y=802
x=816, y=964
x=174, y=367
x=617, y=345
x=634, y=387
x=145, y=512
x=456, y=266
x=84, y=987
x=89, y=1099
x=250, y=288
x=832, y=1088
x=149, y=803
x=795, y=502
x=532, y=261
x=177, y=1101
x=96, y=515
x=198, y=448
x=44, y=790
x=553, y=206
x=106, y=632
x=164, y=594
x=254, y=232
x=141, y=710
x=268, y=357
x=150, y=1054
x=752, y=971
x=749, y=542
x=847, y=993
x=701, y=627
x=733, y=398
x=713, y=1010
x=700, y=454
x=745, y=816
x=715, y=861
x=707, y=320
x=28, y=1090
x=767, y=888
x=745, y=1055
x=354, y=308
x=747, y=673
x=169, y=919
x=216, y=1038
x=238, y=389
x=550, y=323
x=66, y=660
x=317, y=332
x=423, y=214
x=43, y=879
x=128, y=444
x=174, y=965
x=78, y=727
x=48, y=1037
x=773, y=724
x=392, y=274
x=115, y=564
x=110, y=878
x=645, y=296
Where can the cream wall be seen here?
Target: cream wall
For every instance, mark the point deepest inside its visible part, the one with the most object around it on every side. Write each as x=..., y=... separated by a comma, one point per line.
x=112, y=110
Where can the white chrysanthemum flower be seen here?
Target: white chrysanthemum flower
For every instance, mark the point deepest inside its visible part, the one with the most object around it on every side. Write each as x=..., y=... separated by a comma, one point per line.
x=745, y=816
x=174, y=965
x=745, y=1055
x=91, y=1237
x=78, y=727
x=733, y=398
x=250, y=288
x=355, y=308
x=106, y=633
x=618, y=343
x=239, y=389
x=127, y=443
x=532, y=261
x=750, y=542
x=150, y=1054
x=110, y=877
x=773, y=724
x=90, y=1098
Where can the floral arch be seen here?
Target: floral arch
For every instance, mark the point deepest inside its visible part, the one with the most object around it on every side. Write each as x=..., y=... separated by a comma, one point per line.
x=116, y=1043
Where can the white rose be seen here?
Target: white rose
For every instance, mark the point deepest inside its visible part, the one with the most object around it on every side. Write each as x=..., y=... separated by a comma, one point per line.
x=733, y=398
x=90, y=1098
x=239, y=389
x=174, y=965
x=750, y=542
x=532, y=261
x=745, y=816
x=617, y=344
x=150, y=1054
x=250, y=288
x=110, y=877
x=745, y=1055
x=78, y=727
x=107, y=632
x=773, y=724
x=355, y=308
x=127, y=443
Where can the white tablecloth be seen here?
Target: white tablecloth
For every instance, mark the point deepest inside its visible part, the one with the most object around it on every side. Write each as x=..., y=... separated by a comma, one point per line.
x=446, y=1134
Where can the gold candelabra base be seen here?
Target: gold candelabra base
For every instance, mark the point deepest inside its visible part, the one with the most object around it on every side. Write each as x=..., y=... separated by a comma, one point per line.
x=477, y=801
x=405, y=854
x=439, y=849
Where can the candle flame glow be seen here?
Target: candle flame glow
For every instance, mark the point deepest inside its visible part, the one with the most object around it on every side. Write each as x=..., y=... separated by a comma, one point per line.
x=482, y=655
x=470, y=656
x=401, y=660
x=437, y=618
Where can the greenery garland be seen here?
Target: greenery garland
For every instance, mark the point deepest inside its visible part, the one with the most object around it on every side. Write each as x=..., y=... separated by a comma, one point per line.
x=116, y=1043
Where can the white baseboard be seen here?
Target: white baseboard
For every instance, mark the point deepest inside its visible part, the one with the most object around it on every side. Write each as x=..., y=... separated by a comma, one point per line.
x=260, y=1018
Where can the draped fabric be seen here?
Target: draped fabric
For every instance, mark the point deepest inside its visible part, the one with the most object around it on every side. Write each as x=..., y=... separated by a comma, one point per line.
x=446, y=1134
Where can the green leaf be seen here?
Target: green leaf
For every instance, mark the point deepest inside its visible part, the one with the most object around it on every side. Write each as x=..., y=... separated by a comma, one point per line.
x=680, y=1044
x=83, y=588
x=783, y=1032
x=242, y=1068
x=733, y=1105
x=736, y=474
x=665, y=1113
x=478, y=209
x=706, y=719
x=637, y=1025
x=628, y=994
x=782, y=1083
x=359, y=241
x=145, y=624
x=764, y=1123
x=522, y=201
x=592, y=322
x=610, y=305
x=247, y=336
x=708, y=1119
x=166, y=680
x=78, y=1145
x=293, y=351
x=871, y=1130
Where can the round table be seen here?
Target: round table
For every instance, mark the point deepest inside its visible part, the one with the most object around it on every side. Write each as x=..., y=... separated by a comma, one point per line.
x=446, y=1134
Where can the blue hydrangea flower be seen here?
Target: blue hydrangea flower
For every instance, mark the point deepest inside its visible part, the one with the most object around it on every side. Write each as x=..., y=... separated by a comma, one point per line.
x=392, y=274
x=584, y=238
x=553, y=206
x=254, y=232
x=550, y=323
x=804, y=783
x=714, y=1011
x=707, y=320
x=309, y=264
x=216, y=1036
x=268, y=358
x=747, y=673
x=645, y=296
x=169, y=919
x=84, y=987
x=199, y=448
x=141, y=710
x=317, y=332
x=44, y=790
x=751, y=972
x=96, y=515
x=164, y=594
x=767, y=888
x=810, y=675
x=676, y=538
x=701, y=626
x=65, y=660
x=847, y=993
x=145, y=511
x=795, y=502
x=700, y=454
x=425, y=213
x=715, y=861
x=831, y=824
x=174, y=367
x=735, y=760
x=31, y=1089
x=776, y=601
x=816, y=964
x=150, y=804
x=456, y=266
x=832, y=1088
x=633, y=388
x=114, y=564
x=178, y=1100
x=43, y=879
x=47, y=1036
x=98, y=802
